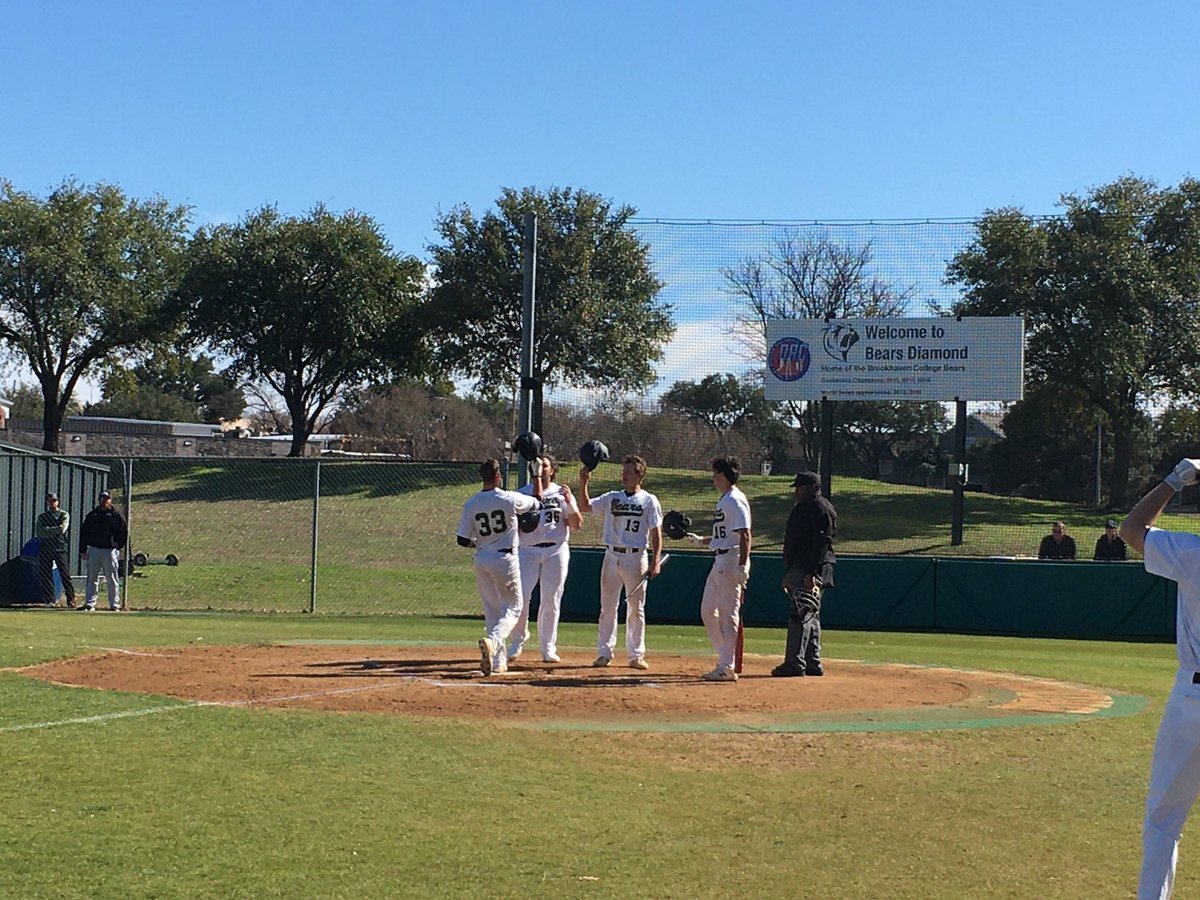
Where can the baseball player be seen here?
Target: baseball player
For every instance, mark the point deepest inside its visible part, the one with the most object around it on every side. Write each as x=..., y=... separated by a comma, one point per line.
x=1175, y=766
x=720, y=607
x=632, y=526
x=489, y=524
x=545, y=555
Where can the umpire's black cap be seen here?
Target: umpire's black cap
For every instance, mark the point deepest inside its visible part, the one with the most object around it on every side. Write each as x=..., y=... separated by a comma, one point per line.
x=811, y=479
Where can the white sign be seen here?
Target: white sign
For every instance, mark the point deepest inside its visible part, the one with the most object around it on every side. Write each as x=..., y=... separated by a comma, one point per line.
x=896, y=359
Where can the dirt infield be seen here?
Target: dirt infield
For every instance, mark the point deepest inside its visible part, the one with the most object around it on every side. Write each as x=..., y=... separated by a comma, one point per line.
x=446, y=682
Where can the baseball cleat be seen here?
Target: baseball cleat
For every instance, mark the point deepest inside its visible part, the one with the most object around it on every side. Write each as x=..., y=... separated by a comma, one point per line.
x=601, y=661
x=720, y=673
x=514, y=654
x=639, y=663
x=551, y=658
x=487, y=649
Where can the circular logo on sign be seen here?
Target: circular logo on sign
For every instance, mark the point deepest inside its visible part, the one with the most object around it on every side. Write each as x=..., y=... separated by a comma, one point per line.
x=789, y=359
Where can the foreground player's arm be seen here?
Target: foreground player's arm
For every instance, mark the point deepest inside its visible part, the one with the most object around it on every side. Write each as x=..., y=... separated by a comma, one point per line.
x=744, y=542
x=1146, y=511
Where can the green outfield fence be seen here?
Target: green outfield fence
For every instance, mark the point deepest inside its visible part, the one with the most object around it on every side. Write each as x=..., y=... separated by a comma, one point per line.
x=368, y=537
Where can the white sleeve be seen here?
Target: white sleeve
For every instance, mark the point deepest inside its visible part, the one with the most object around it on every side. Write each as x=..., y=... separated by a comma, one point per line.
x=466, y=528
x=600, y=504
x=653, y=513
x=1172, y=554
x=524, y=503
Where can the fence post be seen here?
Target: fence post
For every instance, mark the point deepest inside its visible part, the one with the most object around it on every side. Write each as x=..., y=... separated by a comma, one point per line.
x=128, y=467
x=316, y=517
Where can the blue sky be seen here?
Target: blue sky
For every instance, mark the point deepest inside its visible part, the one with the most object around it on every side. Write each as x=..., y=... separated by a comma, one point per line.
x=753, y=110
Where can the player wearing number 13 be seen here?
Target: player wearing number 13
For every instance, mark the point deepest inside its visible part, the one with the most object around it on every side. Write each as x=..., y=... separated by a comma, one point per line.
x=489, y=524
x=632, y=526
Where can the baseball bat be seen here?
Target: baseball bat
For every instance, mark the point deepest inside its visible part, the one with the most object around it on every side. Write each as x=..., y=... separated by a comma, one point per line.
x=662, y=561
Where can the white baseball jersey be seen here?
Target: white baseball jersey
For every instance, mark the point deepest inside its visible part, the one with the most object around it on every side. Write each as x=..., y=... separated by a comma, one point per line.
x=628, y=518
x=733, y=514
x=490, y=518
x=1176, y=556
x=552, y=527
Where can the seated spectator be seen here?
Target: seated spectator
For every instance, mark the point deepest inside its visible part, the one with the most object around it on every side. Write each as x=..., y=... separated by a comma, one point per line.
x=1057, y=544
x=1109, y=545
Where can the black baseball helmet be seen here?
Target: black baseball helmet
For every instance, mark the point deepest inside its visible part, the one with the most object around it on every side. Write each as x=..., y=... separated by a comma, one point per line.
x=592, y=454
x=529, y=445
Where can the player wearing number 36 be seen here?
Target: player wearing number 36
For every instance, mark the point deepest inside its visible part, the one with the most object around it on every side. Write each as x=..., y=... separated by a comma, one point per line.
x=1175, y=766
x=545, y=554
x=632, y=526
x=489, y=524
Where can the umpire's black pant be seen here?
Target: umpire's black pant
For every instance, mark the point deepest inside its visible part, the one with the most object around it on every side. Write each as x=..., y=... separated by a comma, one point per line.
x=46, y=560
x=803, y=650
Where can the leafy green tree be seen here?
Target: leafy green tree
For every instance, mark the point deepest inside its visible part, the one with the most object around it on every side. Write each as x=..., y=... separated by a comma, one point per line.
x=86, y=275
x=807, y=277
x=1110, y=292
x=27, y=402
x=172, y=386
x=310, y=306
x=598, y=320
x=904, y=432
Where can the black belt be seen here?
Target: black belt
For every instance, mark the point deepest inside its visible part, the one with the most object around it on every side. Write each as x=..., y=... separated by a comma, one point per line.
x=721, y=552
x=505, y=550
x=627, y=549
x=547, y=544
x=1196, y=678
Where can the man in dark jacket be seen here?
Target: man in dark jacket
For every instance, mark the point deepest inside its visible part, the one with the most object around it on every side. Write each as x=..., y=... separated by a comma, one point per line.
x=50, y=528
x=1057, y=544
x=1109, y=545
x=808, y=560
x=101, y=539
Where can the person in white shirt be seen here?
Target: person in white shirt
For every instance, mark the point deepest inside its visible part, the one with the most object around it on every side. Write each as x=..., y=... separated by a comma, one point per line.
x=1175, y=766
x=633, y=536
x=720, y=607
x=489, y=524
x=545, y=556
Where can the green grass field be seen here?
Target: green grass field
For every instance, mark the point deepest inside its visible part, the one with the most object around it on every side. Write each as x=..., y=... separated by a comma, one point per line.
x=243, y=530
x=220, y=802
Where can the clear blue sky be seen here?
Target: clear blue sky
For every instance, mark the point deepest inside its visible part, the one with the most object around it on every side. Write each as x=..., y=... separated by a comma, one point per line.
x=746, y=110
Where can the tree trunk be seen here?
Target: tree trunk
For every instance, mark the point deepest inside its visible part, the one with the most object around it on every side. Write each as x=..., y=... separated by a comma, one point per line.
x=52, y=418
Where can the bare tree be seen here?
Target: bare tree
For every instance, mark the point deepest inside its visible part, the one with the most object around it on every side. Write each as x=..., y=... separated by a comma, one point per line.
x=807, y=277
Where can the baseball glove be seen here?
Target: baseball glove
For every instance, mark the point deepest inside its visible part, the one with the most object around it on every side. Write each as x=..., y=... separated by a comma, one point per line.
x=675, y=525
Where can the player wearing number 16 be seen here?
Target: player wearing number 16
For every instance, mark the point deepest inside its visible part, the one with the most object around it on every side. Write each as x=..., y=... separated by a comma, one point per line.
x=633, y=535
x=489, y=524
x=720, y=608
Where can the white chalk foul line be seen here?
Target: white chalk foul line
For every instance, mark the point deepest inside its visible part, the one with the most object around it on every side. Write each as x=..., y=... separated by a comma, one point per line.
x=90, y=720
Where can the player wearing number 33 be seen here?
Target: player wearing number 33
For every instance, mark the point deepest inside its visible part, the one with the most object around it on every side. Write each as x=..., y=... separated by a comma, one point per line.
x=545, y=555
x=632, y=526
x=720, y=607
x=1175, y=766
x=489, y=524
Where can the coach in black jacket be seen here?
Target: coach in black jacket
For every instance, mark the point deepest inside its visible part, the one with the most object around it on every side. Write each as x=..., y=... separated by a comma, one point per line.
x=101, y=539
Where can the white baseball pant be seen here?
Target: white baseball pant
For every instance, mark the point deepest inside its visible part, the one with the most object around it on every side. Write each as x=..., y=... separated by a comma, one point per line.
x=1174, y=787
x=626, y=570
x=106, y=562
x=720, y=609
x=498, y=576
x=545, y=566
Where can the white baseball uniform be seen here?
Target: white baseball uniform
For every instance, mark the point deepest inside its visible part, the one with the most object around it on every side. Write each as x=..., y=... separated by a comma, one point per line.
x=1175, y=767
x=489, y=519
x=720, y=607
x=545, y=555
x=628, y=520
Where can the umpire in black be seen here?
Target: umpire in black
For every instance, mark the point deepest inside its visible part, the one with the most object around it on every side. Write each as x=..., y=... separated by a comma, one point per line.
x=808, y=559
